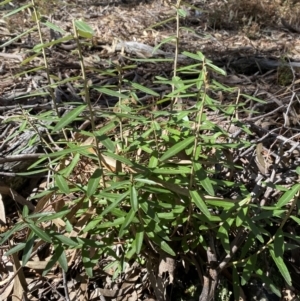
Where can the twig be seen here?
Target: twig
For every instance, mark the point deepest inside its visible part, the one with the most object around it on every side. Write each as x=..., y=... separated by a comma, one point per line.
x=264, y=115
x=54, y=288
x=65, y=285
x=238, y=240
x=5, y=131
x=10, y=280
x=269, y=133
x=22, y=157
x=36, y=106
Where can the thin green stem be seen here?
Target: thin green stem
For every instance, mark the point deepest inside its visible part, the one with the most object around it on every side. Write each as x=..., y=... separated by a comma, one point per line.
x=88, y=100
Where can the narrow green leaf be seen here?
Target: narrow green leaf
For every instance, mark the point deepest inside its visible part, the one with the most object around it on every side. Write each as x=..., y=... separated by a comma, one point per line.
x=248, y=268
x=181, y=12
x=164, y=41
x=107, y=128
x=255, y=229
x=84, y=28
x=144, y=89
x=92, y=224
x=61, y=257
x=253, y=98
x=69, y=241
x=115, y=203
x=68, y=170
x=7, y=234
x=68, y=118
x=48, y=216
x=53, y=260
x=71, y=149
x=161, y=243
x=166, y=215
x=132, y=251
x=54, y=27
x=241, y=216
x=16, y=38
x=126, y=161
x=39, y=232
x=196, y=198
x=107, y=142
x=269, y=214
x=39, y=47
x=222, y=234
x=165, y=247
x=139, y=239
x=222, y=204
x=216, y=69
x=69, y=226
x=279, y=243
x=249, y=243
x=25, y=211
x=128, y=219
x=133, y=198
x=204, y=179
x=281, y=267
x=23, y=126
x=288, y=196
x=178, y=170
x=58, y=256
x=62, y=184
x=117, y=222
x=111, y=93
x=290, y=247
x=5, y=2
x=15, y=249
x=145, y=181
x=149, y=211
x=17, y=10
x=93, y=183
x=119, y=158
x=153, y=230
x=28, y=249
x=87, y=262
x=296, y=219
x=199, y=56
x=178, y=147
x=267, y=280
x=236, y=283
x=156, y=126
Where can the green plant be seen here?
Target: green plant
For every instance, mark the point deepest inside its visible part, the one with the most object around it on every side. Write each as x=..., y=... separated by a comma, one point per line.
x=149, y=185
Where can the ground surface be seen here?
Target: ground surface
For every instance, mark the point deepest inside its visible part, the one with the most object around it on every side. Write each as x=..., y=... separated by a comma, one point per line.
x=224, y=32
